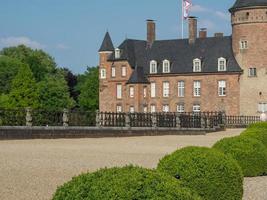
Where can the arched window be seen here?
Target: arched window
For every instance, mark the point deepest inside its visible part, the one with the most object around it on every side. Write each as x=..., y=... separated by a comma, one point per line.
x=196, y=65
x=166, y=66
x=153, y=67
x=221, y=64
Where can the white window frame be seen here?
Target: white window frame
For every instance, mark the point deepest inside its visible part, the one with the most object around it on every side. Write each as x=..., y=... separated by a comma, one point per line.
x=119, y=108
x=145, y=92
x=153, y=90
x=197, y=66
x=180, y=108
x=196, y=108
x=221, y=64
x=197, y=88
x=132, y=110
x=181, y=88
x=243, y=44
x=153, y=67
x=166, y=89
x=166, y=66
x=113, y=71
x=131, y=91
x=166, y=108
x=103, y=73
x=117, y=53
x=222, y=88
x=252, y=72
x=153, y=108
x=262, y=107
x=123, y=71
x=119, y=91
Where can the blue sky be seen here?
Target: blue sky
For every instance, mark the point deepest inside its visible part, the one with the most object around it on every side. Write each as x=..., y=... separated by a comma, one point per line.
x=72, y=30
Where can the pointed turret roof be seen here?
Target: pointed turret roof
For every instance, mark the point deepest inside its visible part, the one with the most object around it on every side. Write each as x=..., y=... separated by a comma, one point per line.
x=107, y=44
x=247, y=3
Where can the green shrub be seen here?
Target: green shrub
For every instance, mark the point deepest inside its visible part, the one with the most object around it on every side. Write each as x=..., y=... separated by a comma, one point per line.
x=250, y=154
x=209, y=172
x=124, y=184
x=257, y=131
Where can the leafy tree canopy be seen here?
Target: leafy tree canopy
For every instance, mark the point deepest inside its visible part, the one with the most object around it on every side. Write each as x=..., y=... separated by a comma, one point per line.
x=39, y=62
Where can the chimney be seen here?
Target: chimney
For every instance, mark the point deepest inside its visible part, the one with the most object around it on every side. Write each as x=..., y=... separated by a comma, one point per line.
x=218, y=34
x=151, y=31
x=203, y=33
x=192, y=21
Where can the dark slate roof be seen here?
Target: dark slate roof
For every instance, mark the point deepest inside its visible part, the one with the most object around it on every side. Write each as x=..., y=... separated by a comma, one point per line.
x=138, y=76
x=180, y=54
x=107, y=44
x=247, y=3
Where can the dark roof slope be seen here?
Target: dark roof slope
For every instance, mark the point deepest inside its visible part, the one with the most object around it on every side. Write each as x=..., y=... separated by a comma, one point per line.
x=180, y=54
x=107, y=44
x=247, y=3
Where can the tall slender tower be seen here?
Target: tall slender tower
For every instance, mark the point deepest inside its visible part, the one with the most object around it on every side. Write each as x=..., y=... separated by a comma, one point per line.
x=249, y=41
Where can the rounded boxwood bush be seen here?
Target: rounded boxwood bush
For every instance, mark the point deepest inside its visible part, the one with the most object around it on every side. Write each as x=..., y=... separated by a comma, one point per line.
x=209, y=172
x=125, y=184
x=250, y=154
x=257, y=131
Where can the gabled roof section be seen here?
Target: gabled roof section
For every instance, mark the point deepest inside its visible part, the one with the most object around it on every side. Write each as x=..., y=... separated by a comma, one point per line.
x=239, y=4
x=107, y=44
x=138, y=77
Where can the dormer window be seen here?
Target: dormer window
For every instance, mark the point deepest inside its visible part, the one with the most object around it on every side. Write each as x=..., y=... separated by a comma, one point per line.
x=196, y=65
x=117, y=53
x=221, y=64
x=166, y=66
x=153, y=67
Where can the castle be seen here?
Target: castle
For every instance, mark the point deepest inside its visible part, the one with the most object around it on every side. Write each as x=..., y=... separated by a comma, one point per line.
x=198, y=74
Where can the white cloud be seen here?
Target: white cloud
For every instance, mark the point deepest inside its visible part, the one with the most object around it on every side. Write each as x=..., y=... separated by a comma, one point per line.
x=62, y=47
x=15, y=41
x=222, y=15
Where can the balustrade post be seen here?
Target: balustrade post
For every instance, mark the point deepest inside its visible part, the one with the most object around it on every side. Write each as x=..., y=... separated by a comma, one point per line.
x=65, y=117
x=97, y=119
x=178, y=121
x=127, y=120
x=208, y=123
x=203, y=121
x=28, y=116
x=154, y=120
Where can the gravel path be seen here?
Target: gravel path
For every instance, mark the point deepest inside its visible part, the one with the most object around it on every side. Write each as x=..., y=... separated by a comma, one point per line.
x=32, y=169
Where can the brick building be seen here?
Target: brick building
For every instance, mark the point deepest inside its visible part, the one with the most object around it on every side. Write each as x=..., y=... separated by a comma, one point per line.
x=220, y=73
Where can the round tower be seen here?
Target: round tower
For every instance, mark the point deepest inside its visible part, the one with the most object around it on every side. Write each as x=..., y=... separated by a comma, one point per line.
x=249, y=41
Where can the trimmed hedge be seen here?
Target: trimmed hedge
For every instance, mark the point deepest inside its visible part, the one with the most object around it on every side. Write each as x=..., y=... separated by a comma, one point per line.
x=207, y=171
x=125, y=184
x=257, y=131
x=250, y=154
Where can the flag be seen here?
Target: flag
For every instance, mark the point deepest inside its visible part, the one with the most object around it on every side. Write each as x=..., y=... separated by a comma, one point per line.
x=187, y=4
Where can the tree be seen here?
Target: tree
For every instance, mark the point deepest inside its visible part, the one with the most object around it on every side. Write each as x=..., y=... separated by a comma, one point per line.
x=88, y=85
x=54, y=93
x=23, y=89
x=39, y=62
x=8, y=70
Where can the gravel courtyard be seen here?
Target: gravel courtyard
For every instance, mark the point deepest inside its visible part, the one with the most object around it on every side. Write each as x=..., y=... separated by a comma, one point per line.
x=32, y=169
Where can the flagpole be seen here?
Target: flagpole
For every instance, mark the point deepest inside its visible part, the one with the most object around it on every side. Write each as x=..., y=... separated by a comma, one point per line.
x=182, y=18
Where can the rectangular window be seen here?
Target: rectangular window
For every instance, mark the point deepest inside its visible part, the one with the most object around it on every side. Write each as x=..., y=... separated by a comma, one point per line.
x=132, y=109
x=119, y=108
x=222, y=88
x=145, y=92
x=119, y=91
x=166, y=108
x=181, y=89
x=145, y=109
x=252, y=72
x=196, y=108
x=166, y=89
x=113, y=72
x=243, y=44
x=262, y=107
x=152, y=108
x=180, y=108
x=153, y=90
x=103, y=73
x=131, y=92
x=123, y=71
x=197, y=88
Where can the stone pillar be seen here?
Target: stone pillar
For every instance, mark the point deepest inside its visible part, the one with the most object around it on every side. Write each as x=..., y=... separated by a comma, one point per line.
x=203, y=122
x=154, y=120
x=65, y=118
x=127, y=120
x=28, y=117
x=178, y=121
x=97, y=119
x=263, y=117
